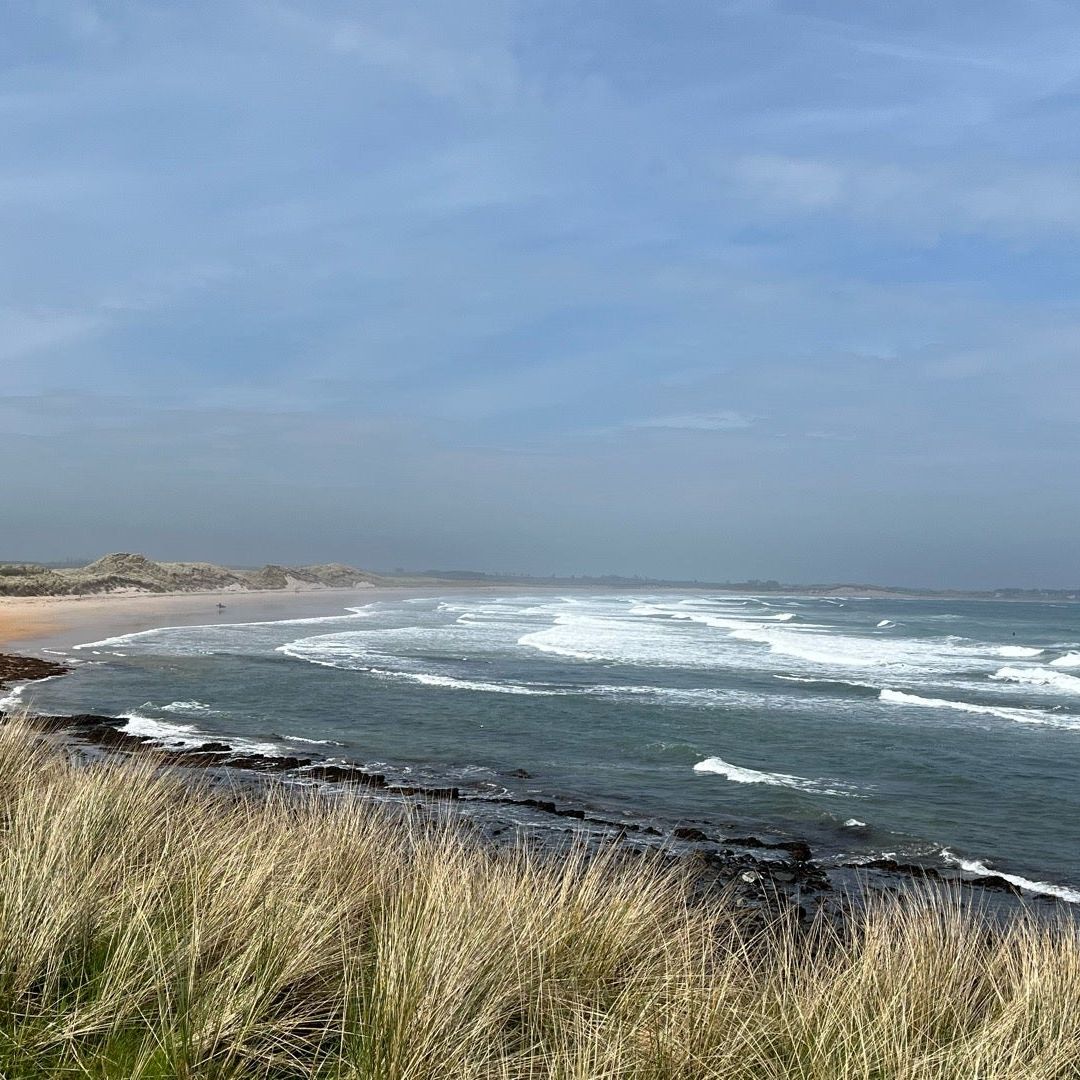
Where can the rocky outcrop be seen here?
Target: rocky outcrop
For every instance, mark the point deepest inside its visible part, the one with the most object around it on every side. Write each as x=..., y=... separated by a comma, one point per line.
x=124, y=571
x=14, y=669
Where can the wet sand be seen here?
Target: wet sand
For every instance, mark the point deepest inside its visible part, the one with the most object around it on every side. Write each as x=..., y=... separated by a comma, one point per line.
x=32, y=624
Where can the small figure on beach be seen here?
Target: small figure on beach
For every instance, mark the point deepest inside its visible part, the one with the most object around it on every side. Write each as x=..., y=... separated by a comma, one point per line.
x=220, y=607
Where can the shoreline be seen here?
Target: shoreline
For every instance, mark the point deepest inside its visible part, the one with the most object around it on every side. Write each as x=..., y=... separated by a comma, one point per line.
x=36, y=623
x=762, y=869
x=40, y=626
x=57, y=621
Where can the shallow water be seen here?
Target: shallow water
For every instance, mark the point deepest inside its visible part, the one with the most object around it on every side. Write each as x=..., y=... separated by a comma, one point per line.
x=945, y=730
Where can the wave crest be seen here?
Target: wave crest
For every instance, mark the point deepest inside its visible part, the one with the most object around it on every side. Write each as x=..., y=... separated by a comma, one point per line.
x=1039, y=676
x=739, y=775
x=1021, y=716
x=975, y=866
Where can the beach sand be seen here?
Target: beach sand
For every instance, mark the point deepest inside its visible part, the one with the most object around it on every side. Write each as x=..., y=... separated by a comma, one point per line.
x=31, y=624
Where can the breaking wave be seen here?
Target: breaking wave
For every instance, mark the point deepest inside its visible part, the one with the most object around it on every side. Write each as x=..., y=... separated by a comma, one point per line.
x=188, y=735
x=811, y=680
x=1039, y=676
x=161, y=730
x=739, y=775
x=448, y=682
x=200, y=638
x=13, y=698
x=975, y=866
x=1021, y=716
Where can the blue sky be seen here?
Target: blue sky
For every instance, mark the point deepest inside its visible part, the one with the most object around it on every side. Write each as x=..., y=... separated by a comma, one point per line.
x=709, y=289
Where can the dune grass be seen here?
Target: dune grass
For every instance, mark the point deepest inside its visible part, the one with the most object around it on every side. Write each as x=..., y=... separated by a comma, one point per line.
x=149, y=929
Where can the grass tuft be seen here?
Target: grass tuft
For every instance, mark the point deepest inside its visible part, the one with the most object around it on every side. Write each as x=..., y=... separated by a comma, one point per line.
x=151, y=927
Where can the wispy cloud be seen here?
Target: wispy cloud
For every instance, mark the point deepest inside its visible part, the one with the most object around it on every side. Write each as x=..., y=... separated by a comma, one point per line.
x=723, y=420
x=25, y=332
x=1021, y=201
x=459, y=58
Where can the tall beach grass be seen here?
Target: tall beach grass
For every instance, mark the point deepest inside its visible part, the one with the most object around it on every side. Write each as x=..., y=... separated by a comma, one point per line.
x=153, y=928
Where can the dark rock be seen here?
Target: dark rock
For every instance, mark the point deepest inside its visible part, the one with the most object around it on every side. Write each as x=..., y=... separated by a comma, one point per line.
x=799, y=849
x=998, y=883
x=745, y=841
x=85, y=721
x=345, y=774
x=687, y=832
x=425, y=792
x=28, y=668
x=891, y=865
x=520, y=774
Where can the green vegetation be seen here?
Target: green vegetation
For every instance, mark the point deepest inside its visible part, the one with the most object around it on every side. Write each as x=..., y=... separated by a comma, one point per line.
x=123, y=571
x=150, y=928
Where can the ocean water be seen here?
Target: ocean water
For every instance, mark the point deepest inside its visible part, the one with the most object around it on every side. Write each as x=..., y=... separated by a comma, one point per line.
x=940, y=730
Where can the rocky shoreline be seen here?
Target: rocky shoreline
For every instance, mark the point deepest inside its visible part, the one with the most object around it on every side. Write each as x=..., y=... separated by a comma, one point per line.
x=763, y=871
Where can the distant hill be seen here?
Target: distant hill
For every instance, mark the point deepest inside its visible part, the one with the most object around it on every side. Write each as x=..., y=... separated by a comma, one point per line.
x=124, y=572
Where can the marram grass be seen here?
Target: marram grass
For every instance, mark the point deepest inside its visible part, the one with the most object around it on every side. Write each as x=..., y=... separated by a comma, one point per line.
x=149, y=929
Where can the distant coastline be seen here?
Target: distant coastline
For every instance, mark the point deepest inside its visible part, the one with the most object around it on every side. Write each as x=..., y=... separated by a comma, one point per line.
x=839, y=590
x=125, y=573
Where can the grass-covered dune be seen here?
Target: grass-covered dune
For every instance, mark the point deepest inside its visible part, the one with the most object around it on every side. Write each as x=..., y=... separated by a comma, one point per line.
x=149, y=928
x=122, y=571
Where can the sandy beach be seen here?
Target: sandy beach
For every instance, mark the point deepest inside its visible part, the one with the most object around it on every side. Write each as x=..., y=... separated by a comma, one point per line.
x=30, y=624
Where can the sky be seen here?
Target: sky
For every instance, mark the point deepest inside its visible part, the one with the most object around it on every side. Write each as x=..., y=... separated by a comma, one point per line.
x=716, y=289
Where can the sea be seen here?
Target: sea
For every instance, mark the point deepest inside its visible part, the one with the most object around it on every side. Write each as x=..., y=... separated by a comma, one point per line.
x=940, y=731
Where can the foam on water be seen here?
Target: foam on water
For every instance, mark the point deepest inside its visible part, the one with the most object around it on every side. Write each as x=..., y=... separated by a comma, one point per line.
x=13, y=698
x=188, y=735
x=1069, y=660
x=187, y=707
x=739, y=775
x=161, y=730
x=811, y=680
x=1018, y=652
x=975, y=866
x=637, y=641
x=1021, y=716
x=1039, y=676
x=175, y=638
x=854, y=651
x=539, y=642
x=448, y=682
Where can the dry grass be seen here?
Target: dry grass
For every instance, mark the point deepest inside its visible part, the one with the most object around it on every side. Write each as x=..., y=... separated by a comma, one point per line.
x=148, y=930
